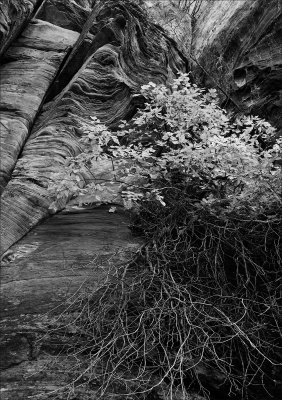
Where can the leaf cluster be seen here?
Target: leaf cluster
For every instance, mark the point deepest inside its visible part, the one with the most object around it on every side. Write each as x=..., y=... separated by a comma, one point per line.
x=181, y=130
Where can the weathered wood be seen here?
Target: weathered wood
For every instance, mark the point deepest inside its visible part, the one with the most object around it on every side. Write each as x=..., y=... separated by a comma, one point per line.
x=30, y=66
x=238, y=43
x=70, y=252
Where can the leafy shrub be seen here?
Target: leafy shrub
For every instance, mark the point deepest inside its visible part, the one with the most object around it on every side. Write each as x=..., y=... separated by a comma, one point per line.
x=200, y=304
x=181, y=131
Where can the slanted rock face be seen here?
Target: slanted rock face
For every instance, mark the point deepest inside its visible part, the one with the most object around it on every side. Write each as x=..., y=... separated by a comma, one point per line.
x=29, y=67
x=64, y=71
x=13, y=15
x=238, y=43
x=68, y=256
x=123, y=51
x=67, y=14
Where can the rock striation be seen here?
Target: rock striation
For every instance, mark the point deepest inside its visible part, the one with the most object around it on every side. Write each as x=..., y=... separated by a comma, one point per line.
x=177, y=21
x=14, y=15
x=66, y=14
x=237, y=46
x=28, y=69
x=68, y=255
x=61, y=63
x=232, y=45
x=117, y=51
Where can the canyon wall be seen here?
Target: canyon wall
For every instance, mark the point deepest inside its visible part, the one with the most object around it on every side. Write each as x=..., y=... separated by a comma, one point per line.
x=55, y=79
x=105, y=52
x=61, y=63
x=237, y=46
x=234, y=46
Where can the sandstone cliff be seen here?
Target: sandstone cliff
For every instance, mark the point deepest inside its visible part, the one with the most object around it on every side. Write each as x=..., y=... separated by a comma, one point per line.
x=62, y=62
x=55, y=79
x=237, y=46
x=232, y=45
x=105, y=52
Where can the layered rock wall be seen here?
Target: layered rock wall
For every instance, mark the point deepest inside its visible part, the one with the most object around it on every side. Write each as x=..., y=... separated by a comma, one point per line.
x=28, y=69
x=68, y=256
x=117, y=50
x=234, y=45
x=237, y=46
x=74, y=61
x=78, y=59
x=14, y=15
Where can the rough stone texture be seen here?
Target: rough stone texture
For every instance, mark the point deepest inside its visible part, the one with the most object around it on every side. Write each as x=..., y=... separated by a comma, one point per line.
x=238, y=43
x=54, y=259
x=176, y=22
x=67, y=14
x=100, y=77
x=114, y=66
x=73, y=251
x=13, y=15
x=28, y=69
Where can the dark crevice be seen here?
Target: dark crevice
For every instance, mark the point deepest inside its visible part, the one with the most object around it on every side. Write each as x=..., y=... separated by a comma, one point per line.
x=188, y=67
x=73, y=61
x=239, y=76
x=37, y=7
x=71, y=65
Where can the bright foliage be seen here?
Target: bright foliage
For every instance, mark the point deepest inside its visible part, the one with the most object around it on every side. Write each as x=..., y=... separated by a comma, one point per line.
x=182, y=130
